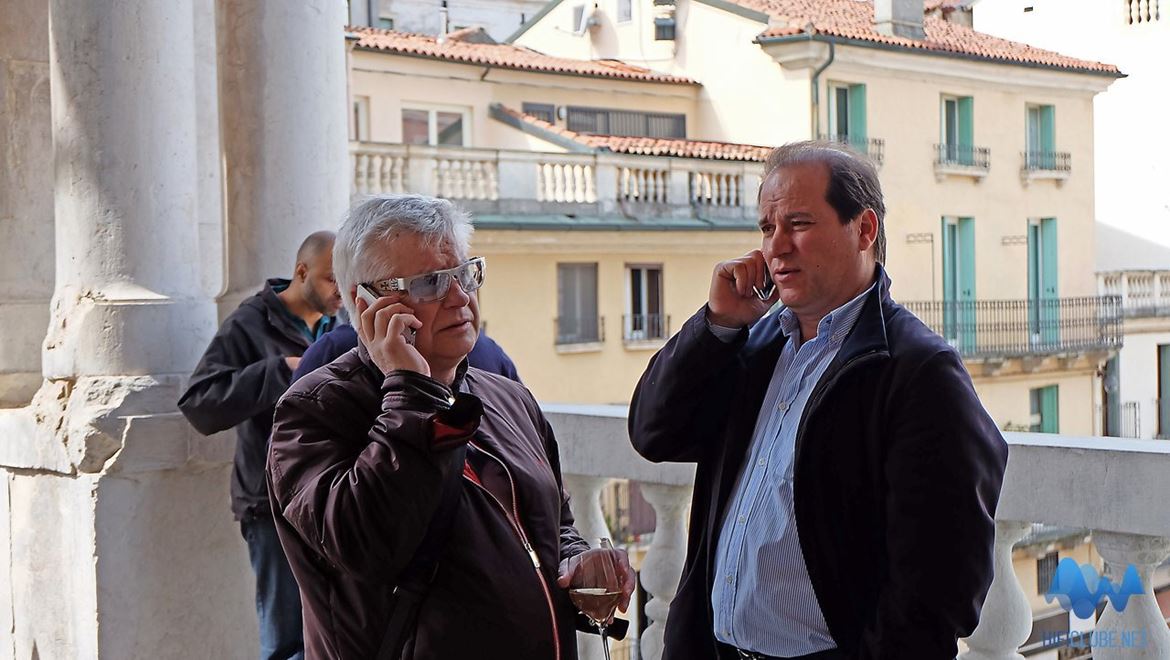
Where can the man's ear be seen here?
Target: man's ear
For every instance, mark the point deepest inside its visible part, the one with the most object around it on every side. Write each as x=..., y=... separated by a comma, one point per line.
x=302, y=271
x=867, y=227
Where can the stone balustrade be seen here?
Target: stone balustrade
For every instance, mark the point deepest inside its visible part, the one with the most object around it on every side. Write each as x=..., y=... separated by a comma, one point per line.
x=501, y=181
x=1111, y=486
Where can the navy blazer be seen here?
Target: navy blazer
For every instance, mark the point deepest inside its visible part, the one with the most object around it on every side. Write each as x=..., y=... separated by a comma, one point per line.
x=898, y=470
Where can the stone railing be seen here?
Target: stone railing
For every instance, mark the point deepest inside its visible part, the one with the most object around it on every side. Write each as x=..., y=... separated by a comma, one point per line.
x=500, y=181
x=1144, y=293
x=1111, y=486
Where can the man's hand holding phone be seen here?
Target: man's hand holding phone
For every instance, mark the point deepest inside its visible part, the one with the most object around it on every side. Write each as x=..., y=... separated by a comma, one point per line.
x=387, y=328
x=742, y=291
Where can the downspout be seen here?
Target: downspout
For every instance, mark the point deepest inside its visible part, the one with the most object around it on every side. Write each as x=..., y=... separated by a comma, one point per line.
x=816, y=88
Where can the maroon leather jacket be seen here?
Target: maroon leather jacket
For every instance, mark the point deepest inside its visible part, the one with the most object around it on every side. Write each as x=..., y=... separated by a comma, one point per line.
x=355, y=470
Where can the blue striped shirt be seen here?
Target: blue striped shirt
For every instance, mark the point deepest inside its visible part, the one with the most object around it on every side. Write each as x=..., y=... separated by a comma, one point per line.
x=763, y=599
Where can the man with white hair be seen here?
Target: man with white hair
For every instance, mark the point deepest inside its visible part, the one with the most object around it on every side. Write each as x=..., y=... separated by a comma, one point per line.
x=420, y=501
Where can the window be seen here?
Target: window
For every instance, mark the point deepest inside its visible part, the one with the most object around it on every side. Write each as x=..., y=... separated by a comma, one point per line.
x=958, y=270
x=545, y=111
x=1163, y=391
x=644, y=319
x=847, y=115
x=664, y=28
x=578, y=19
x=1045, y=571
x=1041, y=138
x=386, y=23
x=625, y=10
x=577, y=320
x=360, y=130
x=1045, y=402
x=435, y=127
x=1043, y=281
x=957, y=126
x=600, y=121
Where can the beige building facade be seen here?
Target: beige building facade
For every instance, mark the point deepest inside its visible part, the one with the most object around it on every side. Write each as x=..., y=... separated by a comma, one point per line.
x=986, y=155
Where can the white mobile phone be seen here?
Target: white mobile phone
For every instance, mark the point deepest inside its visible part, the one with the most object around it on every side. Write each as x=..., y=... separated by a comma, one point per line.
x=367, y=294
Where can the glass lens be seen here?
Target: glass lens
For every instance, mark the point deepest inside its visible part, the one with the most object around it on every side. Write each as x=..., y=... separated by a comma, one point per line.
x=471, y=276
x=430, y=286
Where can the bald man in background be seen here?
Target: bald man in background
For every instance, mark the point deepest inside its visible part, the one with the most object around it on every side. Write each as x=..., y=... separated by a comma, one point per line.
x=242, y=374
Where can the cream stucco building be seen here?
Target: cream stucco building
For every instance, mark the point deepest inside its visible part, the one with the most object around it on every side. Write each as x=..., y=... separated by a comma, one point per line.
x=985, y=148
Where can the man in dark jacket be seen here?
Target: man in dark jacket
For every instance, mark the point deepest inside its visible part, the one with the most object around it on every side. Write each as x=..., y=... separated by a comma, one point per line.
x=244, y=371
x=366, y=450
x=847, y=474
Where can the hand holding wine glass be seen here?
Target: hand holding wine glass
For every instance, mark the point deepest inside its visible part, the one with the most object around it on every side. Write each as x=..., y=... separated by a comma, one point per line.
x=599, y=580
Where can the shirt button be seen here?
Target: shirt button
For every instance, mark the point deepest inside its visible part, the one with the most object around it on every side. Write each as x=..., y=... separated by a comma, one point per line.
x=762, y=462
x=742, y=519
x=730, y=579
x=783, y=406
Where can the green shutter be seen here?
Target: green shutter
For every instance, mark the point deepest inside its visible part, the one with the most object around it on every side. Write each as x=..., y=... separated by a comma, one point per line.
x=1034, y=279
x=1047, y=128
x=966, y=285
x=1050, y=277
x=967, y=130
x=1050, y=409
x=857, y=119
x=1163, y=390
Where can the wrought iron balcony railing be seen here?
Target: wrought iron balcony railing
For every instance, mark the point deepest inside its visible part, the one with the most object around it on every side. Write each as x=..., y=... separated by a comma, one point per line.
x=962, y=155
x=875, y=148
x=579, y=329
x=1017, y=328
x=645, y=327
x=1051, y=161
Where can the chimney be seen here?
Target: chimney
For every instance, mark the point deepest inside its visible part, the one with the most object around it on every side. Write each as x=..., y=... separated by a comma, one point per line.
x=444, y=23
x=898, y=18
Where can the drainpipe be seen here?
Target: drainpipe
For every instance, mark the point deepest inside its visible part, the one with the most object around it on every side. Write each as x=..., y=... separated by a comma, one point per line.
x=816, y=88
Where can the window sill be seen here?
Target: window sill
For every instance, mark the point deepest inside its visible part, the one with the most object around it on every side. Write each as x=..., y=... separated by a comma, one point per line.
x=943, y=170
x=1027, y=176
x=583, y=347
x=643, y=344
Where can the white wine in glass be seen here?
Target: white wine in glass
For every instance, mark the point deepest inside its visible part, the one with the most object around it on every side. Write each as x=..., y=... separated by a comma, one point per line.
x=595, y=589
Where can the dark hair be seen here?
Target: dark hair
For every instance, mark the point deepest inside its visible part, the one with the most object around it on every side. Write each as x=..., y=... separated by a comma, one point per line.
x=853, y=181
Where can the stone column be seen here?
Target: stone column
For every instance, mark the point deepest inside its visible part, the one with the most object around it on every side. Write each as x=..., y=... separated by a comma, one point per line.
x=662, y=567
x=122, y=545
x=1006, y=619
x=26, y=196
x=1139, y=632
x=284, y=120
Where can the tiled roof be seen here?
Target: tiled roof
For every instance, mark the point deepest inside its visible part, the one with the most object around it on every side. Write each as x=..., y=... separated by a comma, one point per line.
x=642, y=146
x=853, y=19
x=506, y=56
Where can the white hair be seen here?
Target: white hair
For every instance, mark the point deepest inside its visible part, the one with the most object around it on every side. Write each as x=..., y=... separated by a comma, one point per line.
x=375, y=222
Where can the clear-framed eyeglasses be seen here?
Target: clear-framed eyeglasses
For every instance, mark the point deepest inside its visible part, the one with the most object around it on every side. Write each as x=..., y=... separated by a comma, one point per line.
x=429, y=287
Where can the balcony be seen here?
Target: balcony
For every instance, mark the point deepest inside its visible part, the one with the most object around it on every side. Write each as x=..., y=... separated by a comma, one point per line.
x=1143, y=293
x=500, y=185
x=645, y=330
x=875, y=148
x=1001, y=329
x=1045, y=165
x=579, y=334
x=1110, y=486
x=961, y=160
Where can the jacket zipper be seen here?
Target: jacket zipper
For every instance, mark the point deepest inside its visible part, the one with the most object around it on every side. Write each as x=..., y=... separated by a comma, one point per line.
x=514, y=519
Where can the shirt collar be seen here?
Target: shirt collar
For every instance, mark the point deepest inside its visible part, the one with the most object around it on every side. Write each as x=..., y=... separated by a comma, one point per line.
x=835, y=325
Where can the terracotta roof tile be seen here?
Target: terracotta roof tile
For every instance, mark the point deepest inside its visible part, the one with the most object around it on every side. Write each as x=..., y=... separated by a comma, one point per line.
x=646, y=146
x=505, y=56
x=853, y=19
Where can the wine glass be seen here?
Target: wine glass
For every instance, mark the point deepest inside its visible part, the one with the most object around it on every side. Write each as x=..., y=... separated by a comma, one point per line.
x=595, y=588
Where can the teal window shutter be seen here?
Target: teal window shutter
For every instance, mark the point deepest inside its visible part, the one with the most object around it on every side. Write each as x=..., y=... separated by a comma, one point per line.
x=857, y=119
x=966, y=285
x=1048, y=136
x=967, y=130
x=1163, y=390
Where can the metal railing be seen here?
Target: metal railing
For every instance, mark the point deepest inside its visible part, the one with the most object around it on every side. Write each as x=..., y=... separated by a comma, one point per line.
x=1006, y=328
x=962, y=155
x=1051, y=161
x=579, y=329
x=875, y=148
x=643, y=327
